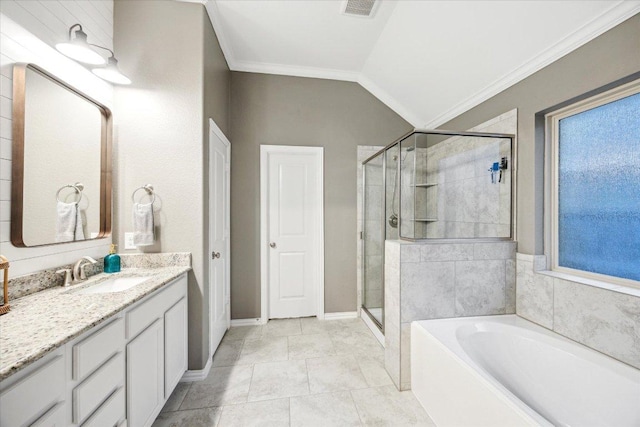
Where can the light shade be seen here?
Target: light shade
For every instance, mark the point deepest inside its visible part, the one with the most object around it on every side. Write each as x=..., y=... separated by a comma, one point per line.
x=80, y=50
x=111, y=73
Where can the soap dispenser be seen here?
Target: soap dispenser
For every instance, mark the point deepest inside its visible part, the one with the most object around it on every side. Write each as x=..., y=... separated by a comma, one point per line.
x=112, y=261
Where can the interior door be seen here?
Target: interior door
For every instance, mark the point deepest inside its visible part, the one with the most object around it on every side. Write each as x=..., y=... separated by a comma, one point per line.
x=294, y=231
x=219, y=302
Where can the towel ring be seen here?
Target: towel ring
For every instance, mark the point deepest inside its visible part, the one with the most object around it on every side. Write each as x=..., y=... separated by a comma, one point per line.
x=78, y=186
x=149, y=189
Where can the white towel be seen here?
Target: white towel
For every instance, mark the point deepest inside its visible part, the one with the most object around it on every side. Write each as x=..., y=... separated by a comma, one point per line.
x=66, y=221
x=79, y=231
x=143, y=226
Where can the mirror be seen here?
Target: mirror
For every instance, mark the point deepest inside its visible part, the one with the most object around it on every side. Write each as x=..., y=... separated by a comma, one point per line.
x=61, y=183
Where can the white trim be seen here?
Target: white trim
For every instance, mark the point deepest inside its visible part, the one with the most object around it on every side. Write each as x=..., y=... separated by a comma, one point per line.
x=296, y=71
x=197, y=374
x=264, y=267
x=213, y=127
x=616, y=14
x=372, y=327
x=389, y=100
x=212, y=10
x=551, y=201
x=341, y=315
x=247, y=322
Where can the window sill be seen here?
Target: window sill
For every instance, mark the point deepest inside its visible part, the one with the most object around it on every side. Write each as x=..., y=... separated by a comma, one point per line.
x=627, y=290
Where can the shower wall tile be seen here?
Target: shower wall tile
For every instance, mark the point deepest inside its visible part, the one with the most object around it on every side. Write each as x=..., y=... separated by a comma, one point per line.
x=392, y=310
x=405, y=356
x=510, y=286
x=447, y=252
x=506, y=250
x=480, y=288
x=534, y=297
x=410, y=253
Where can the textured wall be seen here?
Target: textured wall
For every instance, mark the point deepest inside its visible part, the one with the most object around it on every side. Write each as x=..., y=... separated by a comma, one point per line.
x=279, y=110
x=159, y=134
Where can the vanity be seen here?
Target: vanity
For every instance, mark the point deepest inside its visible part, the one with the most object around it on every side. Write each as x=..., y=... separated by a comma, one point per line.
x=71, y=357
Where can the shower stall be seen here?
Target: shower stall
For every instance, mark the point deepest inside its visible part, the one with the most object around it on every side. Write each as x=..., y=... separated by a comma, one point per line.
x=433, y=185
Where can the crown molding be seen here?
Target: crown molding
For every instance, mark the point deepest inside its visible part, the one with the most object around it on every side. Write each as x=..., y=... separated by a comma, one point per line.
x=296, y=71
x=616, y=14
x=389, y=100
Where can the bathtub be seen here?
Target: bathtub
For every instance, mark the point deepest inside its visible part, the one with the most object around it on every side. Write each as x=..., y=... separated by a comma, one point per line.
x=506, y=371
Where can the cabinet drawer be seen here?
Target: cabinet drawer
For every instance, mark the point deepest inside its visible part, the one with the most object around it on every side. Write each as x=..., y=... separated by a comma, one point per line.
x=54, y=417
x=111, y=411
x=95, y=389
x=32, y=396
x=93, y=351
x=140, y=317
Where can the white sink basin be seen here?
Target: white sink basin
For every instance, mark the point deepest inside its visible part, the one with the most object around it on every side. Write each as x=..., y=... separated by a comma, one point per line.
x=114, y=284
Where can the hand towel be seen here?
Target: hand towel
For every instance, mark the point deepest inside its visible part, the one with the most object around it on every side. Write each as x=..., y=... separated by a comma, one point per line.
x=66, y=220
x=79, y=229
x=143, y=226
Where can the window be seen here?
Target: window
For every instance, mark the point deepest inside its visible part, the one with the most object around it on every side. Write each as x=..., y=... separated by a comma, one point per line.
x=594, y=174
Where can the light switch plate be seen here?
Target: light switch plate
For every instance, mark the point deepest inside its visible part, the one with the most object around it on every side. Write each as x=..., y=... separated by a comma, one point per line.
x=128, y=241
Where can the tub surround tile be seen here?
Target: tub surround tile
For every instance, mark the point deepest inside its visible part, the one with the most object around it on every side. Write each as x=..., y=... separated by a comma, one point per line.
x=427, y=290
x=275, y=380
x=480, y=288
x=598, y=317
x=534, y=295
x=446, y=252
x=43, y=321
x=410, y=253
x=606, y=321
x=270, y=413
x=505, y=250
x=329, y=409
x=510, y=286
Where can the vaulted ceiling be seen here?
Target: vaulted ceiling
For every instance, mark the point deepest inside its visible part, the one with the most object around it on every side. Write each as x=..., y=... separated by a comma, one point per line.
x=427, y=60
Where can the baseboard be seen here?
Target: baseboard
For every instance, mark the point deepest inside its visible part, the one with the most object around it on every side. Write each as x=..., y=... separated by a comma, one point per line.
x=341, y=315
x=247, y=322
x=197, y=374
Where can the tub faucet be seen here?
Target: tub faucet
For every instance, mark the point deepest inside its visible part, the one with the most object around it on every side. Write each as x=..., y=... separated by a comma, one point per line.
x=78, y=268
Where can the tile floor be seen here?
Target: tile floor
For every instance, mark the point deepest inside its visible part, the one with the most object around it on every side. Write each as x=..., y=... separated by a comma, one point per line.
x=295, y=372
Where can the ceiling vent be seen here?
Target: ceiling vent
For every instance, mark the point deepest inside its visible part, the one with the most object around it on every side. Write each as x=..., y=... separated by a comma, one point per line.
x=361, y=8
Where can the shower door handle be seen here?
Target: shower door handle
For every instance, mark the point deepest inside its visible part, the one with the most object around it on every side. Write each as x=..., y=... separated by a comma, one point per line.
x=273, y=245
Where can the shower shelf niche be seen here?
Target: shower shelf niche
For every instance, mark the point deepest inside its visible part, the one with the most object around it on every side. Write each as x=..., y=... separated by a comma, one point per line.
x=425, y=185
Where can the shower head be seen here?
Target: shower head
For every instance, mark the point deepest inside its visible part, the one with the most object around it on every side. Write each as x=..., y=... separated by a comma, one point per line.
x=410, y=149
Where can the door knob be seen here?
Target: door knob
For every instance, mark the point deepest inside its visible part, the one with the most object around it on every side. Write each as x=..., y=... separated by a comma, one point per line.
x=272, y=244
x=215, y=255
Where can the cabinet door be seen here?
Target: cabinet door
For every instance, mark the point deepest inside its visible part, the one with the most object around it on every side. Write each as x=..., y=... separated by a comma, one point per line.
x=175, y=345
x=145, y=376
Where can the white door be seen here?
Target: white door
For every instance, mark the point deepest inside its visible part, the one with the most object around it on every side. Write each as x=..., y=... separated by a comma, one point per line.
x=219, y=301
x=294, y=231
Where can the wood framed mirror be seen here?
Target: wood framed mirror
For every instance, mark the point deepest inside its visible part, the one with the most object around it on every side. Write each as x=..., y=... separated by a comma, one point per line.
x=61, y=162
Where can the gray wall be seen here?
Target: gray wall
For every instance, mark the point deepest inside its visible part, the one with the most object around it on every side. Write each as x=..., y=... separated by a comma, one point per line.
x=609, y=57
x=280, y=110
x=159, y=123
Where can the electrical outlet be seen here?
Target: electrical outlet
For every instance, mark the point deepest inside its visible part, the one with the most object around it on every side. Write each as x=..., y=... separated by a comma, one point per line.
x=128, y=241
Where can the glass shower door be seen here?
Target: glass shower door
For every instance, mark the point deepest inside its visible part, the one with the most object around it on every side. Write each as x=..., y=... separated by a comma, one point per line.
x=373, y=239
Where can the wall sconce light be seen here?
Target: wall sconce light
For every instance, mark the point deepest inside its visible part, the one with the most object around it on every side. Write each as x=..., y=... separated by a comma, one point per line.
x=79, y=49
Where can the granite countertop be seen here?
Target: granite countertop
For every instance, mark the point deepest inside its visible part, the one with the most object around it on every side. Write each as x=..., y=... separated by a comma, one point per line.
x=46, y=320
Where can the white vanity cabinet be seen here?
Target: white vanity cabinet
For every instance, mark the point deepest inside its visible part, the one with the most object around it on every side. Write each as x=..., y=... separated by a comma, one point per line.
x=119, y=373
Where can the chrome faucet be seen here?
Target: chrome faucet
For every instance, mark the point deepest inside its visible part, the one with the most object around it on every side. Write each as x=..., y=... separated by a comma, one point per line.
x=78, y=269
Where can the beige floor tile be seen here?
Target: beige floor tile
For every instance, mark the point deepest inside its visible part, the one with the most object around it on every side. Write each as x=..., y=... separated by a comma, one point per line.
x=324, y=410
x=227, y=353
x=282, y=327
x=244, y=333
x=176, y=398
x=372, y=367
x=223, y=386
x=207, y=417
x=334, y=373
x=386, y=406
x=307, y=346
x=279, y=379
x=356, y=341
x=269, y=413
x=267, y=349
x=311, y=325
